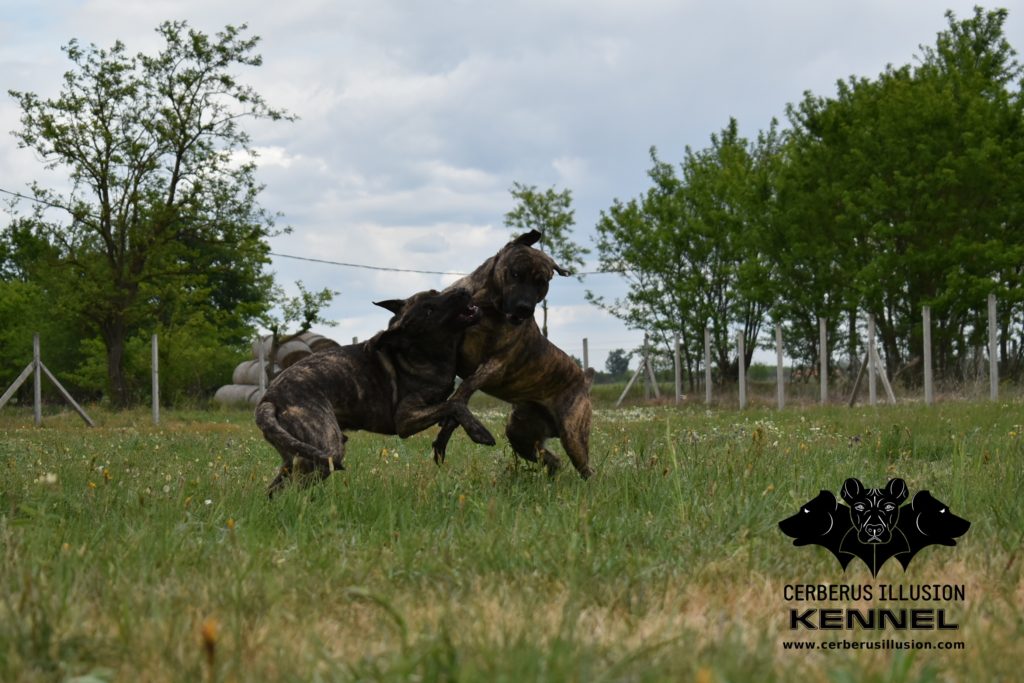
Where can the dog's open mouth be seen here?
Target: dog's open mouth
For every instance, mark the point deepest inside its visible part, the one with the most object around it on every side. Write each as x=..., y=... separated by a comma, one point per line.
x=470, y=315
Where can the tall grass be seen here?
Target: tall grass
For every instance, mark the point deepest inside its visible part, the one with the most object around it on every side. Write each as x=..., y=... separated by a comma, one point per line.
x=138, y=553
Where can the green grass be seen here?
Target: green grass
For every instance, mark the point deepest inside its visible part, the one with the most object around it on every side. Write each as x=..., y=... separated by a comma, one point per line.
x=118, y=543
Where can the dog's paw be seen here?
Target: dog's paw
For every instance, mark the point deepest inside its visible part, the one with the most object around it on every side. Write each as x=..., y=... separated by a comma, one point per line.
x=479, y=434
x=438, y=455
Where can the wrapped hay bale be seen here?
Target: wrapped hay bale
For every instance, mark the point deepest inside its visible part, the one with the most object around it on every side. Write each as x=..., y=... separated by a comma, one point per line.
x=237, y=394
x=248, y=372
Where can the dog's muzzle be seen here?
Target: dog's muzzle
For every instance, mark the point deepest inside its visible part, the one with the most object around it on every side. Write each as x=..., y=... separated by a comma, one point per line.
x=470, y=315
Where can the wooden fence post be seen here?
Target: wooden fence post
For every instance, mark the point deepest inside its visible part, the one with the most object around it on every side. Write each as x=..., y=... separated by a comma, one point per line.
x=823, y=353
x=156, y=382
x=586, y=355
x=742, y=370
x=993, y=350
x=707, y=365
x=780, y=369
x=926, y=322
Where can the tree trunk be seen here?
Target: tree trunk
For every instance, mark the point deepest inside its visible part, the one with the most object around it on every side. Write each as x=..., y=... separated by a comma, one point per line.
x=544, y=307
x=113, y=332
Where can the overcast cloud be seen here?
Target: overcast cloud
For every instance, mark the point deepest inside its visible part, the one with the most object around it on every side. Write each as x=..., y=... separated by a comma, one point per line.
x=415, y=118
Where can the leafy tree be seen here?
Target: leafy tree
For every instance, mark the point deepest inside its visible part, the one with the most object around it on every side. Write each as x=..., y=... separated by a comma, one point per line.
x=692, y=247
x=617, y=363
x=903, y=191
x=550, y=213
x=162, y=214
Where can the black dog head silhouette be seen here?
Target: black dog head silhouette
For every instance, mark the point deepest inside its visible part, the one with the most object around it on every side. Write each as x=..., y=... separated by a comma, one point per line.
x=932, y=519
x=874, y=512
x=821, y=521
x=928, y=521
x=818, y=519
x=874, y=528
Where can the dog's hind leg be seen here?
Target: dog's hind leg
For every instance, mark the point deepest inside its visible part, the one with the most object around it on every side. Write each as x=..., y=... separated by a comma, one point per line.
x=297, y=432
x=528, y=427
x=574, y=432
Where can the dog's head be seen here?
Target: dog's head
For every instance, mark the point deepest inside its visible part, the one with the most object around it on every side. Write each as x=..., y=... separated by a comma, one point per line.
x=874, y=512
x=817, y=518
x=520, y=277
x=429, y=318
x=933, y=520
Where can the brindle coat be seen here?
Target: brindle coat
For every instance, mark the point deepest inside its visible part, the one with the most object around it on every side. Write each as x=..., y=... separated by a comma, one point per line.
x=506, y=356
x=394, y=383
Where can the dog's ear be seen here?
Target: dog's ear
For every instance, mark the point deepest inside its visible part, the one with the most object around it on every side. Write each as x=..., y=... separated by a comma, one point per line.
x=920, y=498
x=851, y=489
x=528, y=239
x=829, y=498
x=393, y=305
x=897, y=489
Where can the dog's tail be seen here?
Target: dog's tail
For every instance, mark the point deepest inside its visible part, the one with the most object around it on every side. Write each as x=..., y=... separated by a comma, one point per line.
x=266, y=420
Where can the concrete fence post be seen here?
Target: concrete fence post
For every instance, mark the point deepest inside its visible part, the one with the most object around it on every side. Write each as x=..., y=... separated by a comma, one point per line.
x=780, y=369
x=156, y=381
x=993, y=350
x=742, y=370
x=926, y=323
x=823, y=362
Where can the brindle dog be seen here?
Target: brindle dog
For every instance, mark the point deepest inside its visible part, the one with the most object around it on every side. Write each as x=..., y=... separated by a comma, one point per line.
x=507, y=356
x=394, y=383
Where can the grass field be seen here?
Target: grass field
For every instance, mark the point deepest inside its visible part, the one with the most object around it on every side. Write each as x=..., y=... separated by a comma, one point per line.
x=133, y=553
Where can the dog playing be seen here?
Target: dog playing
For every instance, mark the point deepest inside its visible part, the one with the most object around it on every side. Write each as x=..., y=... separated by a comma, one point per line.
x=507, y=357
x=397, y=382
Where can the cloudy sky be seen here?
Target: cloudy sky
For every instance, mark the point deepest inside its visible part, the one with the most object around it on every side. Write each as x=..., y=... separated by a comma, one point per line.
x=415, y=118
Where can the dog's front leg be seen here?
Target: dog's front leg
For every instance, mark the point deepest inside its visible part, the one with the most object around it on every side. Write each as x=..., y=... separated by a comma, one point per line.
x=485, y=372
x=412, y=418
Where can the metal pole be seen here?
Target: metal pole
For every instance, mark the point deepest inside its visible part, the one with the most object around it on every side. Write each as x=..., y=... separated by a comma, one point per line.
x=707, y=365
x=37, y=378
x=872, y=369
x=780, y=370
x=586, y=354
x=156, y=382
x=743, y=370
x=926, y=322
x=679, y=373
x=823, y=352
x=993, y=350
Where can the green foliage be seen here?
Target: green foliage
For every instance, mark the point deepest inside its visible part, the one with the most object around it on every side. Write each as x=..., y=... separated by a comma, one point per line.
x=897, y=192
x=617, y=362
x=693, y=247
x=162, y=217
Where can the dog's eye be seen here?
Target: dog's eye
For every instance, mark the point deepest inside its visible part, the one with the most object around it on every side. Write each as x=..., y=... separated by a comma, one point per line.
x=943, y=511
x=515, y=274
x=859, y=507
x=428, y=310
x=805, y=511
x=890, y=507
